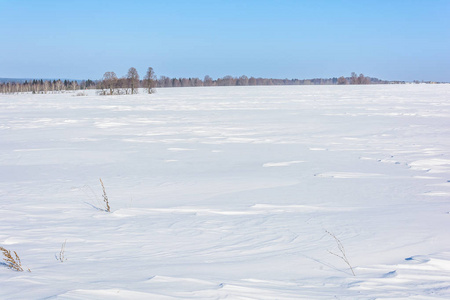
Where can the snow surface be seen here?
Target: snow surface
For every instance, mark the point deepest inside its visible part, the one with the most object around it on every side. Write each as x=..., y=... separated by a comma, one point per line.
x=228, y=192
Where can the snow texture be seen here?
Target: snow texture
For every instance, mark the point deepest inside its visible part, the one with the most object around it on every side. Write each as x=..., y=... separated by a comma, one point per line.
x=227, y=192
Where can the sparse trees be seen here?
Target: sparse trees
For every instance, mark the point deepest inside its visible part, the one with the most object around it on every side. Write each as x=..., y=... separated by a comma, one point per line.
x=361, y=79
x=133, y=80
x=150, y=80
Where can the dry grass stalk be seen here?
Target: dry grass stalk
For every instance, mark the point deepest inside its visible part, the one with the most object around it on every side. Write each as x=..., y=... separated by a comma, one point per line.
x=11, y=262
x=105, y=197
x=62, y=257
x=341, y=250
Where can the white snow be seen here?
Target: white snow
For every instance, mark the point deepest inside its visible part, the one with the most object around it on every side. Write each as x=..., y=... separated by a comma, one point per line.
x=227, y=193
x=281, y=164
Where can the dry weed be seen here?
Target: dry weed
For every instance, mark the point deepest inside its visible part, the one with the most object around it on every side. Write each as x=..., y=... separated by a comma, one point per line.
x=12, y=262
x=105, y=197
x=341, y=250
x=62, y=252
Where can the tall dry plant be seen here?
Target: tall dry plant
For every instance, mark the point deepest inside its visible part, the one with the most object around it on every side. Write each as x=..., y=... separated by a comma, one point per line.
x=105, y=197
x=342, y=254
x=12, y=262
x=62, y=253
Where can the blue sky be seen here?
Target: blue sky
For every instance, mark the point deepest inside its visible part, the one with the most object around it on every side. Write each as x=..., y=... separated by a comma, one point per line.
x=394, y=40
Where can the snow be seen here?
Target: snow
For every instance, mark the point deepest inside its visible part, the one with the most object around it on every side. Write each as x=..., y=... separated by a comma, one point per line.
x=227, y=192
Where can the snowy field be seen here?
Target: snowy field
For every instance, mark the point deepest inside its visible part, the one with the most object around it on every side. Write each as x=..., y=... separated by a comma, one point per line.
x=227, y=193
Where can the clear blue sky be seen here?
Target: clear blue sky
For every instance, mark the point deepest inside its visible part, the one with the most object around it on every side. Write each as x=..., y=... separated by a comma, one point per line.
x=394, y=40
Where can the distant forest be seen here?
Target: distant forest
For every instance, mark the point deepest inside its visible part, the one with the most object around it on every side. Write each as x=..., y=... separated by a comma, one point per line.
x=111, y=84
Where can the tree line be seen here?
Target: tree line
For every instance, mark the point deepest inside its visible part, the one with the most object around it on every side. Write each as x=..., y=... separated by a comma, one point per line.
x=243, y=80
x=39, y=86
x=111, y=84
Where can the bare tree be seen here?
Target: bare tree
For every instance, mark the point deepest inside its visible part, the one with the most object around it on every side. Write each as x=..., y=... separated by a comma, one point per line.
x=46, y=86
x=133, y=80
x=74, y=85
x=176, y=82
x=342, y=80
x=37, y=87
x=123, y=86
x=207, y=81
x=110, y=81
x=243, y=80
x=185, y=82
x=354, y=78
x=150, y=80
x=227, y=80
x=165, y=81
x=361, y=79
x=59, y=85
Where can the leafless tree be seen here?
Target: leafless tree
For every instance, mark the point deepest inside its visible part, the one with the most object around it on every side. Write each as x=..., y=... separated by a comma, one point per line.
x=110, y=82
x=150, y=80
x=176, y=82
x=363, y=80
x=243, y=80
x=342, y=80
x=133, y=80
x=185, y=82
x=123, y=86
x=46, y=86
x=252, y=81
x=164, y=81
x=227, y=81
x=207, y=81
x=74, y=85
x=354, y=78
x=37, y=88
